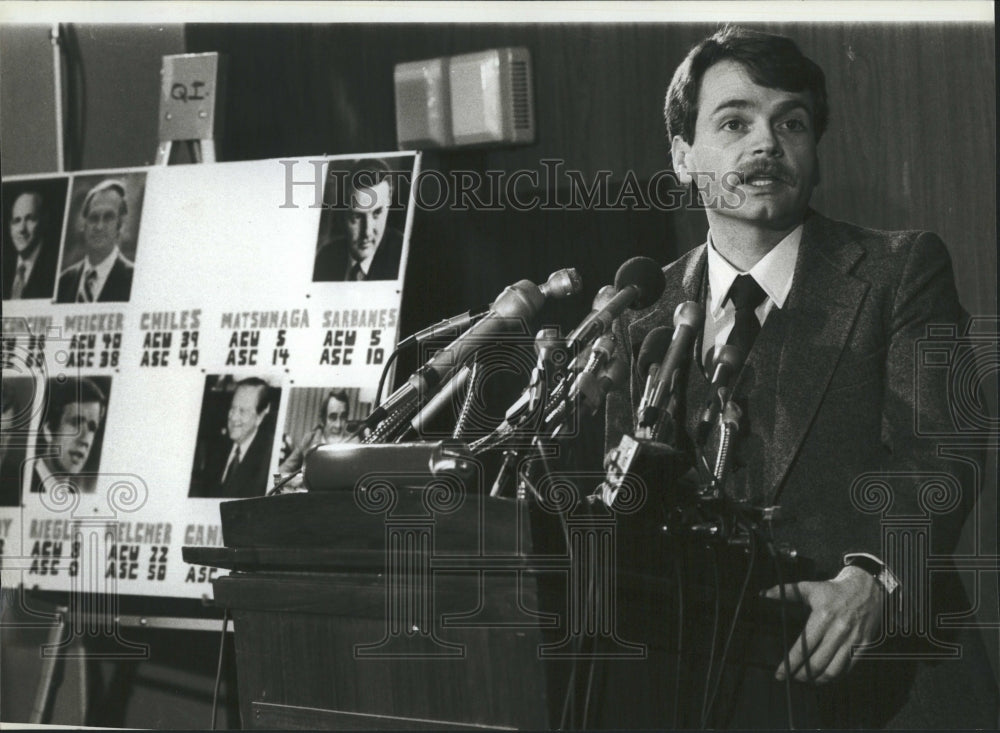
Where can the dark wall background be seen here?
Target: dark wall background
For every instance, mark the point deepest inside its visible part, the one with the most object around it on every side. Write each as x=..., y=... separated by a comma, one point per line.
x=911, y=142
x=911, y=145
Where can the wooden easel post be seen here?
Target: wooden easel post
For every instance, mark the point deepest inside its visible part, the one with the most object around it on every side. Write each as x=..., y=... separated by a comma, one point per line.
x=191, y=87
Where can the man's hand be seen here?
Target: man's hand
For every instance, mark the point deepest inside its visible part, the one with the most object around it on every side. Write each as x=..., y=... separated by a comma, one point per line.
x=845, y=612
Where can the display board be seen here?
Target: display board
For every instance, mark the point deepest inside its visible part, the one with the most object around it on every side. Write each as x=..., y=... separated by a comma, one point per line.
x=177, y=336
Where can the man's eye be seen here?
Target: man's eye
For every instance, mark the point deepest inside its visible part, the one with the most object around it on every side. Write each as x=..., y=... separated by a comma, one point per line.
x=732, y=125
x=796, y=125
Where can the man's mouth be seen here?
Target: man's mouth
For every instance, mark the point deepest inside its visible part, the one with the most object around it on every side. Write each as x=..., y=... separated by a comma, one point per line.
x=77, y=456
x=763, y=178
x=761, y=181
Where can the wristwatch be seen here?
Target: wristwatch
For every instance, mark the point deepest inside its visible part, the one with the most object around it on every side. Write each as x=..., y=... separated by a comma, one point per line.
x=876, y=568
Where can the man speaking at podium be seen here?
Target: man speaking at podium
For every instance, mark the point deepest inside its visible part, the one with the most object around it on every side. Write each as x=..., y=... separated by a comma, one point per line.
x=828, y=314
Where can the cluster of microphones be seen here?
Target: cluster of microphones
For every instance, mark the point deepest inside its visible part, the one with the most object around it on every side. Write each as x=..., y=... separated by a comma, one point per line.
x=572, y=374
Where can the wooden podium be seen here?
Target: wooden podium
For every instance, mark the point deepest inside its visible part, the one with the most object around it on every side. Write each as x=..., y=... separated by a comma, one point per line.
x=426, y=608
x=438, y=608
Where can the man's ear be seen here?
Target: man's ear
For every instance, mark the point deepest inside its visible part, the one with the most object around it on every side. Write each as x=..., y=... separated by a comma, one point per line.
x=680, y=154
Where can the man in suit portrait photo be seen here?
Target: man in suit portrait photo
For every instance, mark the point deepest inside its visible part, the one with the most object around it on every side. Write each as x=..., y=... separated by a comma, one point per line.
x=237, y=466
x=104, y=275
x=827, y=315
x=363, y=246
x=69, y=443
x=31, y=253
x=332, y=427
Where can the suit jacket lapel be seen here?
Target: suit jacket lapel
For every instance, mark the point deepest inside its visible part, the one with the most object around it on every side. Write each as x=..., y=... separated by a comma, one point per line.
x=684, y=281
x=807, y=339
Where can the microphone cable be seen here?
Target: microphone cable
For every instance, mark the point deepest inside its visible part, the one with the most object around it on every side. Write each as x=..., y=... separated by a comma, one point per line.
x=218, y=669
x=707, y=713
x=786, y=661
x=385, y=373
x=276, y=489
x=715, y=630
x=678, y=665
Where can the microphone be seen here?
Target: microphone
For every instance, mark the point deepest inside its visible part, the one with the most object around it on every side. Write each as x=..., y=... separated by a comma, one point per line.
x=639, y=283
x=654, y=348
x=445, y=396
x=727, y=365
x=688, y=320
x=603, y=297
x=517, y=303
x=591, y=389
x=561, y=283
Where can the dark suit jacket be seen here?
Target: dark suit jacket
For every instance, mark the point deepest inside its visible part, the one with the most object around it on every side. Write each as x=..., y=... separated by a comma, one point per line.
x=830, y=391
x=249, y=478
x=333, y=258
x=117, y=288
x=10, y=477
x=43, y=275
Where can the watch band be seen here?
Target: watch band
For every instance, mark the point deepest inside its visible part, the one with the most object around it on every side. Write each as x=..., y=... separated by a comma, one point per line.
x=877, y=569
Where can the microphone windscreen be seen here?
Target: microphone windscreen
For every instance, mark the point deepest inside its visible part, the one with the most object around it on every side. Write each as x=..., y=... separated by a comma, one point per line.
x=654, y=348
x=646, y=275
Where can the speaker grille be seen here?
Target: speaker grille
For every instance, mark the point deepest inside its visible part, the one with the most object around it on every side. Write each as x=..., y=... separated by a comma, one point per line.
x=520, y=92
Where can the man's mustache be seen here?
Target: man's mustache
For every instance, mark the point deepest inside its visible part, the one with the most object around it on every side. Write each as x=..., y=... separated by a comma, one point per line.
x=766, y=169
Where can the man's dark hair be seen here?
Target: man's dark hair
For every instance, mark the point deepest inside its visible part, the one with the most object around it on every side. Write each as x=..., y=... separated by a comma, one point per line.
x=770, y=60
x=72, y=391
x=334, y=394
x=367, y=173
x=263, y=391
x=13, y=403
x=26, y=192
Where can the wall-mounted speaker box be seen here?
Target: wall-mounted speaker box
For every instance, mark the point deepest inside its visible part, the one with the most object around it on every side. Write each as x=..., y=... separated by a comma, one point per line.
x=482, y=98
x=423, y=105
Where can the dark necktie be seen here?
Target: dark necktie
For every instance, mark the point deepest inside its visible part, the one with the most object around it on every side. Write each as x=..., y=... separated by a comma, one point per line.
x=231, y=466
x=89, y=281
x=18, y=288
x=357, y=274
x=746, y=295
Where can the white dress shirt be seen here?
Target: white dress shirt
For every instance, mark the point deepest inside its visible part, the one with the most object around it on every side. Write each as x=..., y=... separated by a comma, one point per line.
x=102, y=268
x=773, y=272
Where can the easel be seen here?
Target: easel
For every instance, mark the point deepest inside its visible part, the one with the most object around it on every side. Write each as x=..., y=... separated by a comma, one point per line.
x=191, y=86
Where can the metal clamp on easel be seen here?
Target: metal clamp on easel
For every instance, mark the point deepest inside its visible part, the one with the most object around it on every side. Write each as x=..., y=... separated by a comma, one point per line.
x=191, y=87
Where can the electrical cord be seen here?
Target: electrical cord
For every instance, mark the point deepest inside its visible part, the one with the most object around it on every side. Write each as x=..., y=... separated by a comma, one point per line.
x=707, y=713
x=385, y=374
x=276, y=489
x=678, y=665
x=784, y=634
x=715, y=631
x=218, y=670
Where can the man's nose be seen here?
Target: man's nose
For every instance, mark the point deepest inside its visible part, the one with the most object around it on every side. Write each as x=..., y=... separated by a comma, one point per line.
x=765, y=141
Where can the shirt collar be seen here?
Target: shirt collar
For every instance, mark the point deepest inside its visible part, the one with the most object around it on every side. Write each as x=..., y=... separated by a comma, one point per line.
x=773, y=272
x=29, y=261
x=103, y=267
x=365, y=264
x=245, y=444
